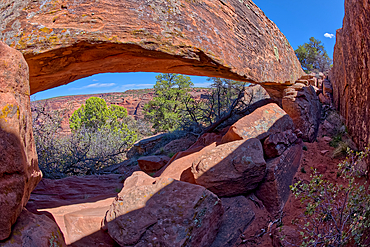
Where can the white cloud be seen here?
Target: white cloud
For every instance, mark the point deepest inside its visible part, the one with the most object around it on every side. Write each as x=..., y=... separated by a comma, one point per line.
x=95, y=85
x=329, y=35
x=95, y=80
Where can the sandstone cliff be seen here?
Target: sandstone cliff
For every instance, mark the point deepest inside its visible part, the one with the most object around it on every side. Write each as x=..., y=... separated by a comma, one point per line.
x=351, y=71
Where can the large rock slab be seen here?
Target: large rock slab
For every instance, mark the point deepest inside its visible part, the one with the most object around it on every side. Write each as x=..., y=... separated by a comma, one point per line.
x=64, y=41
x=237, y=217
x=351, y=71
x=179, y=167
x=231, y=169
x=303, y=106
x=163, y=212
x=145, y=146
x=78, y=205
x=34, y=230
x=274, y=190
x=266, y=120
x=19, y=171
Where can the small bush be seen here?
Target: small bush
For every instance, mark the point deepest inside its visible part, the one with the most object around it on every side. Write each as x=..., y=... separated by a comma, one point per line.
x=336, y=214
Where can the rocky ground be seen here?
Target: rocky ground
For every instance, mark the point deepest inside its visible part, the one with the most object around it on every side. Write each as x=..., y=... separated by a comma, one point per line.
x=229, y=188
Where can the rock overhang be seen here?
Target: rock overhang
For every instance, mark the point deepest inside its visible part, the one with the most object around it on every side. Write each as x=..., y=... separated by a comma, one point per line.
x=66, y=40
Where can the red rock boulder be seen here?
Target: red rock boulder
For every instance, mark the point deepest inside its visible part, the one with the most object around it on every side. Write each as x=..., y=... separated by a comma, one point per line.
x=264, y=121
x=231, y=169
x=277, y=143
x=19, y=170
x=179, y=167
x=237, y=217
x=34, y=230
x=152, y=163
x=303, y=106
x=274, y=189
x=78, y=205
x=163, y=212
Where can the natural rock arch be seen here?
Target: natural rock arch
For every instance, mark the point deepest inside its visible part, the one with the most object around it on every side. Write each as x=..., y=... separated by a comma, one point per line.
x=66, y=40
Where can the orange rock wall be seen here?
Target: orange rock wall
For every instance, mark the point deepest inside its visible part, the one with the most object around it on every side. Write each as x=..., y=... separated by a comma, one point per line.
x=351, y=71
x=19, y=172
x=64, y=40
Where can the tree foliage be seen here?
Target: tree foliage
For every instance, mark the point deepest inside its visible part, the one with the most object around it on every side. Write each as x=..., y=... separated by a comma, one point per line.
x=100, y=137
x=96, y=114
x=174, y=107
x=167, y=109
x=313, y=56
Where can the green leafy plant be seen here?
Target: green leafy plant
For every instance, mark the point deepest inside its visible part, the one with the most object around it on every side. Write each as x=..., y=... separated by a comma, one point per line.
x=313, y=56
x=167, y=109
x=97, y=140
x=336, y=214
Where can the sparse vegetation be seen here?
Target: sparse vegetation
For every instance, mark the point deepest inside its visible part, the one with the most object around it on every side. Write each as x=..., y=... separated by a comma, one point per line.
x=337, y=214
x=100, y=137
x=174, y=108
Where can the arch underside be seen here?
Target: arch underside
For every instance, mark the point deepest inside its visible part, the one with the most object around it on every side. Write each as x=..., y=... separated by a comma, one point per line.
x=64, y=40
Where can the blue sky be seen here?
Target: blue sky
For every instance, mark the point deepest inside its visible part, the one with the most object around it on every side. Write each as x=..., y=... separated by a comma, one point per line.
x=297, y=19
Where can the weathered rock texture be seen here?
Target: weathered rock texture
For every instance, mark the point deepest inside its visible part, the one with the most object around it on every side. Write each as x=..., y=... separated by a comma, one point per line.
x=163, y=212
x=179, y=167
x=78, y=206
x=274, y=190
x=34, y=230
x=276, y=144
x=231, y=169
x=351, y=71
x=237, y=217
x=64, y=40
x=152, y=163
x=266, y=120
x=303, y=106
x=19, y=173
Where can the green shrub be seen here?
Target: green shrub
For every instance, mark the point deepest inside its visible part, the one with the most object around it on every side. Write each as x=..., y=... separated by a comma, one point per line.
x=336, y=214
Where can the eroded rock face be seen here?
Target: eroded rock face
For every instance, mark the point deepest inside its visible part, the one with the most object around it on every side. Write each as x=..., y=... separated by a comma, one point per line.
x=163, y=212
x=64, y=40
x=152, y=163
x=78, y=205
x=19, y=172
x=266, y=120
x=231, y=169
x=34, y=230
x=351, y=70
x=237, y=217
x=179, y=167
x=274, y=191
x=276, y=144
x=303, y=106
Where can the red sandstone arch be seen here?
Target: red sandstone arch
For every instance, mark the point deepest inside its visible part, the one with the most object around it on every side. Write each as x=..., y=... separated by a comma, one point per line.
x=63, y=40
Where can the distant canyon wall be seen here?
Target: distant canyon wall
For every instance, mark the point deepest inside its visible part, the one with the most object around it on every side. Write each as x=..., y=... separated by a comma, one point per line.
x=351, y=71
